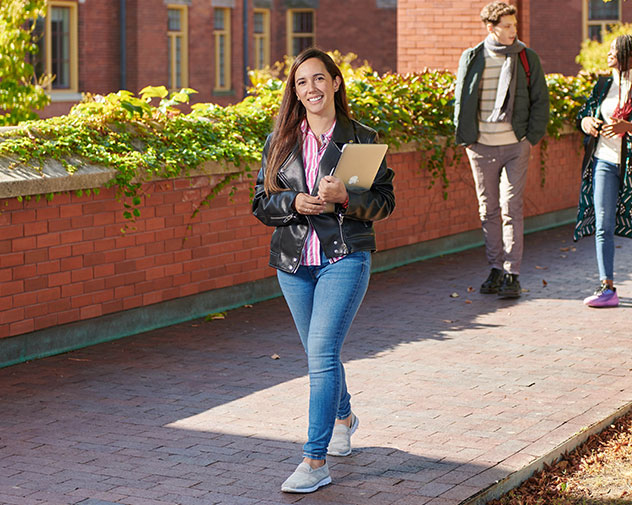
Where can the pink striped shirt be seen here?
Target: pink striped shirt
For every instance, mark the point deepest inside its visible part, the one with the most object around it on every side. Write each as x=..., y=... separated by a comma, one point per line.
x=312, y=154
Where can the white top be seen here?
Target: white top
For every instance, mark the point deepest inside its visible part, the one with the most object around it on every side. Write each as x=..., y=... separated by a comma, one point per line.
x=492, y=134
x=609, y=149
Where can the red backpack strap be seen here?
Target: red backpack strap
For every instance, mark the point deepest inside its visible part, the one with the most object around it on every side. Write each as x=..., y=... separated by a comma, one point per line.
x=525, y=64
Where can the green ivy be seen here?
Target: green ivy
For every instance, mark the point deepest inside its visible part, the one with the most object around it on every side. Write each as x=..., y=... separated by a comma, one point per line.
x=146, y=136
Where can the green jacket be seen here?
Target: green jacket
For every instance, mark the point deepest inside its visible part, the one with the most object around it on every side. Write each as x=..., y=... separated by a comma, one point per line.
x=531, y=105
x=585, y=224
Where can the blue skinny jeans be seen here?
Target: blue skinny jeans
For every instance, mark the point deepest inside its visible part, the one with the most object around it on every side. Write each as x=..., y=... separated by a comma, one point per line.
x=323, y=301
x=605, y=196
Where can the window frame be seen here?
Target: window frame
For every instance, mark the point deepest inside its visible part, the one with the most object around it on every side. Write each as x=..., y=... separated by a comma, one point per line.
x=262, y=39
x=73, y=51
x=604, y=23
x=217, y=35
x=291, y=35
x=172, y=36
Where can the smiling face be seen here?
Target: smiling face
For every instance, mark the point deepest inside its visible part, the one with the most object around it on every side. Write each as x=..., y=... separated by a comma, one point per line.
x=315, y=88
x=612, y=55
x=505, y=31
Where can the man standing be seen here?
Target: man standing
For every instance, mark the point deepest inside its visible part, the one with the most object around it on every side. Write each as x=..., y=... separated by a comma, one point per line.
x=501, y=110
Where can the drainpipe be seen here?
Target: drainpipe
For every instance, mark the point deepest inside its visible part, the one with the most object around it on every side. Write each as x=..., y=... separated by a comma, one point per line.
x=123, y=42
x=245, y=46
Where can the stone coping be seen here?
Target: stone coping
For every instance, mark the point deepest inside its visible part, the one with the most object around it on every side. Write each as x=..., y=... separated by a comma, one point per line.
x=23, y=180
x=18, y=179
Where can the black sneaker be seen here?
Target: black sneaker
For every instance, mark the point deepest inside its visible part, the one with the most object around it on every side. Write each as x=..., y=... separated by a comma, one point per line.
x=493, y=282
x=510, y=287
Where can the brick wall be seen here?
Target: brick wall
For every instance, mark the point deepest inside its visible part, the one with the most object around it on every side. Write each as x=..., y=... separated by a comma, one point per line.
x=434, y=37
x=99, y=24
x=67, y=260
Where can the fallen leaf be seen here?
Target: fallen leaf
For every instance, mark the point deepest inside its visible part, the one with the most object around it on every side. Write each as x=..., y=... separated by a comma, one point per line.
x=544, y=283
x=541, y=268
x=454, y=295
x=275, y=356
x=248, y=305
x=470, y=289
x=565, y=249
x=216, y=315
x=468, y=301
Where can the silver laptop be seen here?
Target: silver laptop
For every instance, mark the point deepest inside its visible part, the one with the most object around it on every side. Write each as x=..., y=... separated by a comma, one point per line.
x=357, y=166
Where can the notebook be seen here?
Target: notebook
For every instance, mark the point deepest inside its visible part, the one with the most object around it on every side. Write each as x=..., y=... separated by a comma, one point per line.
x=357, y=166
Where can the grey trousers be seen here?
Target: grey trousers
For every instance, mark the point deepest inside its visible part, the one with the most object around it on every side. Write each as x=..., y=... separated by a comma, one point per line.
x=500, y=174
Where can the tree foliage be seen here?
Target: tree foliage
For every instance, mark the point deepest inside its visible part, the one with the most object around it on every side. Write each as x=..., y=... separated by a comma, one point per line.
x=21, y=92
x=593, y=54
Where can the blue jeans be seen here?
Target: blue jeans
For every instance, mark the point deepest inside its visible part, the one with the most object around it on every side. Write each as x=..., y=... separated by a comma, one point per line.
x=324, y=301
x=605, y=196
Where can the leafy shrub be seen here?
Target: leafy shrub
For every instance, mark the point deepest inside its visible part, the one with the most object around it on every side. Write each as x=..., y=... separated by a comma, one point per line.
x=142, y=141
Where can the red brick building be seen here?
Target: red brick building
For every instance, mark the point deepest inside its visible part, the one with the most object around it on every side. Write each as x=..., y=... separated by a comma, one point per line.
x=433, y=34
x=207, y=45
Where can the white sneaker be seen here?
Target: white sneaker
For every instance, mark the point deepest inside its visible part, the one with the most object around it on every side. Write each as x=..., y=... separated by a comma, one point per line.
x=306, y=479
x=340, y=444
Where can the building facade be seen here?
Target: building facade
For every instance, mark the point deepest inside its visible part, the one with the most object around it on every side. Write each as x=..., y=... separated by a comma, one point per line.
x=434, y=34
x=100, y=46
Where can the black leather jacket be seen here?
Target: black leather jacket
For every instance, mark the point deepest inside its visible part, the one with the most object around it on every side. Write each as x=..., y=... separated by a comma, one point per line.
x=342, y=232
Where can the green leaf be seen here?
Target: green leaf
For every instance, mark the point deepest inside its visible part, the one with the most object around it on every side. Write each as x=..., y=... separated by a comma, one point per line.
x=149, y=92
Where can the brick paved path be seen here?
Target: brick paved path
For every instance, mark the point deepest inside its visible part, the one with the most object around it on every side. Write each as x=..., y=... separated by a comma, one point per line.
x=452, y=393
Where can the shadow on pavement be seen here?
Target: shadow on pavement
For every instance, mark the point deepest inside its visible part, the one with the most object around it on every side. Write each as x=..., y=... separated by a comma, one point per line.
x=450, y=382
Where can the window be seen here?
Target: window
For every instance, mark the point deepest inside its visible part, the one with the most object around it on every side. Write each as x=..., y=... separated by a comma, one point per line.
x=300, y=30
x=56, y=38
x=221, y=31
x=599, y=16
x=177, y=47
x=262, y=37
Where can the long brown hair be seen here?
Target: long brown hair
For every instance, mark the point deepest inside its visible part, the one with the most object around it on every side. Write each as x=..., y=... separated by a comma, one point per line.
x=623, y=46
x=287, y=130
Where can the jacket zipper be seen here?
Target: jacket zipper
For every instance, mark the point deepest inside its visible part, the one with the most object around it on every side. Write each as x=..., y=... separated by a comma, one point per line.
x=289, y=217
x=340, y=217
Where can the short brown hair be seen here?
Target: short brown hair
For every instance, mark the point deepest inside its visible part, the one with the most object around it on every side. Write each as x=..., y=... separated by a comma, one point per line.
x=492, y=12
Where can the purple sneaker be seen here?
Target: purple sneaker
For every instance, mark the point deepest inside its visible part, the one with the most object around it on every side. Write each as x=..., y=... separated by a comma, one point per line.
x=603, y=297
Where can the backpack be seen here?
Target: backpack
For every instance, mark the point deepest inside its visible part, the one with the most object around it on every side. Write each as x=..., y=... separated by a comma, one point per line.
x=525, y=64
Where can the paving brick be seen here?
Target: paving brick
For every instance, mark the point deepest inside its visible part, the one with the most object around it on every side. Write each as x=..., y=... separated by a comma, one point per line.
x=452, y=396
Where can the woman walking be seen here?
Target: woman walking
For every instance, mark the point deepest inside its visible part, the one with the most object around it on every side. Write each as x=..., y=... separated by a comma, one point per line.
x=323, y=259
x=605, y=206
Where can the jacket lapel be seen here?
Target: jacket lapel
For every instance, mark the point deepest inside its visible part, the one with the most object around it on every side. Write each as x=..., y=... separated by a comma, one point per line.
x=293, y=171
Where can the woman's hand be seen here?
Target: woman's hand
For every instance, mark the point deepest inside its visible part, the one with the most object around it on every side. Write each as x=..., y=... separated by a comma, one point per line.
x=332, y=190
x=591, y=126
x=308, y=205
x=617, y=127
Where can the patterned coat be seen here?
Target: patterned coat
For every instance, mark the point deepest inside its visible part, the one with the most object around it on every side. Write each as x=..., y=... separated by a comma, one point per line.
x=585, y=224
